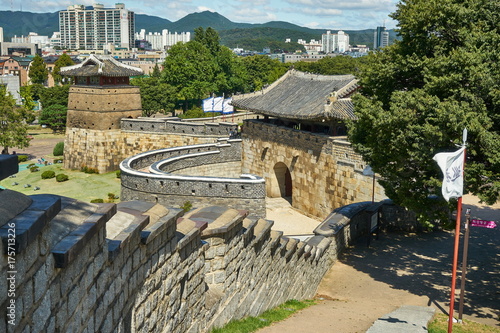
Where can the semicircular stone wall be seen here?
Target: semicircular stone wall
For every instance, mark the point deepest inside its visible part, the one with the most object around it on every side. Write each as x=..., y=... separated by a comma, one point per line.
x=204, y=175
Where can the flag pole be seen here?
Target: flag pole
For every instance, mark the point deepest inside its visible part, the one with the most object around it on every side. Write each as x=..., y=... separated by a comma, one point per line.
x=464, y=266
x=455, y=251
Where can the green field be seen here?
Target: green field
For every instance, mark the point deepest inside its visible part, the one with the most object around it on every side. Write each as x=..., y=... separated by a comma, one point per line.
x=81, y=186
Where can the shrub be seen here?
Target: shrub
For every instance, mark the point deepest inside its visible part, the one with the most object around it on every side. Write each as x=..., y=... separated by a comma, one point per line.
x=111, y=196
x=22, y=158
x=61, y=177
x=118, y=174
x=87, y=169
x=97, y=201
x=34, y=168
x=48, y=174
x=59, y=149
x=186, y=207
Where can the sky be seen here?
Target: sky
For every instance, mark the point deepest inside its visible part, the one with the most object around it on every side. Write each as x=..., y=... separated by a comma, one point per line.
x=317, y=14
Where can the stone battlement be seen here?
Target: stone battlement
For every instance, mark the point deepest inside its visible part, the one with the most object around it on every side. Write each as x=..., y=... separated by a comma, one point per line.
x=167, y=183
x=138, y=266
x=162, y=125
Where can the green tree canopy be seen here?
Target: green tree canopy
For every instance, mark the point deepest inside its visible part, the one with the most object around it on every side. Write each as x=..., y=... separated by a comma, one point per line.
x=262, y=70
x=54, y=95
x=63, y=61
x=54, y=116
x=156, y=96
x=38, y=72
x=190, y=68
x=202, y=67
x=13, y=126
x=420, y=93
x=339, y=65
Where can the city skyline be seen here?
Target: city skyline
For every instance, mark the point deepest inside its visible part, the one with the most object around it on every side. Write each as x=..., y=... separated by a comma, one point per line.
x=316, y=14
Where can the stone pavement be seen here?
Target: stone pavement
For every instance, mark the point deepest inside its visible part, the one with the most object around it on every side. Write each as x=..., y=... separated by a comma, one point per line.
x=407, y=319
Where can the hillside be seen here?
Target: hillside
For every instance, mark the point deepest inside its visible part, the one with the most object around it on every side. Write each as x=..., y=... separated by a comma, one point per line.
x=245, y=35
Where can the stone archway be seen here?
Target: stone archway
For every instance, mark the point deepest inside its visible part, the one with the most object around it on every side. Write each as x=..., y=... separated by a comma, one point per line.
x=281, y=184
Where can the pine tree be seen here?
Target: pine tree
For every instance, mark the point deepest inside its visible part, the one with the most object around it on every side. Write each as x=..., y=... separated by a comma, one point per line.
x=63, y=61
x=38, y=72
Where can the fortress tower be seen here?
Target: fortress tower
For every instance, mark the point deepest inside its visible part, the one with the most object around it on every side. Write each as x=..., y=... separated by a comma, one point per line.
x=100, y=97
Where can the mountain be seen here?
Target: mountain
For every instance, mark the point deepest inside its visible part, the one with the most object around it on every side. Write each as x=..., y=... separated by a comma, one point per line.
x=22, y=23
x=232, y=33
x=150, y=23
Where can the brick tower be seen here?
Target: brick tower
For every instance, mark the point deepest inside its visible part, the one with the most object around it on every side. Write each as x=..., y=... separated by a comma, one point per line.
x=98, y=99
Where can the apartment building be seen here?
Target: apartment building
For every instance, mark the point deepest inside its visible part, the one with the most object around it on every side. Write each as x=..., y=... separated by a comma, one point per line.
x=96, y=27
x=335, y=43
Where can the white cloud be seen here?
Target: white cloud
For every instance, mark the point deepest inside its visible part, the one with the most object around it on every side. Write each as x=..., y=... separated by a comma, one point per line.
x=352, y=4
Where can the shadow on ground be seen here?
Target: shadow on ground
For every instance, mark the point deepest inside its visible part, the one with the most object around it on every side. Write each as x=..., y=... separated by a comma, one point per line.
x=421, y=264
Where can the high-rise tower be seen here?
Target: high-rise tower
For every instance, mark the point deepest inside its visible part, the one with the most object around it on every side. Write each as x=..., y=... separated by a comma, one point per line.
x=381, y=38
x=95, y=27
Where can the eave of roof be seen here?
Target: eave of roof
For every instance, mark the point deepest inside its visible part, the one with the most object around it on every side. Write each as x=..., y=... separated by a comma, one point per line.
x=299, y=95
x=101, y=66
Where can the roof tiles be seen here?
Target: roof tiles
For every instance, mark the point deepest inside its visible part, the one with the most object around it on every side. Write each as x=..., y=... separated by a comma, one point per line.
x=299, y=95
x=101, y=66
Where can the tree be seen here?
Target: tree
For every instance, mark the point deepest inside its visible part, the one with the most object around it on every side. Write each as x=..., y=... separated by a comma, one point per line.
x=418, y=94
x=156, y=96
x=13, y=127
x=38, y=72
x=63, y=61
x=54, y=116
x=338, y=65
x=190, y=68
x=262, y=70
x=54, y=95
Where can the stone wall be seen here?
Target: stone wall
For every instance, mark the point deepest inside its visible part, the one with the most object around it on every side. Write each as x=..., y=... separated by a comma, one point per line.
x=166, y=182
x=325, y=171
x=104, y=150
x=141, y=267
x=162, y=125
x=102, y=107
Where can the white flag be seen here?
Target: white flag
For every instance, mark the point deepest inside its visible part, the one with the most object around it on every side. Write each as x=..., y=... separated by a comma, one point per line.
x=452, y=165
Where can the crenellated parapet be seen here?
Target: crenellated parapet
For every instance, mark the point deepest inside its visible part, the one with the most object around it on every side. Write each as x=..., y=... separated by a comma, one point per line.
x=140, y=266
x=204, y=175
x=165, y=125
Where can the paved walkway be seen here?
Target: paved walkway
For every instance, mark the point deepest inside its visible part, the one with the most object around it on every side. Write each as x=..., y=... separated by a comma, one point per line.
x=405, y=270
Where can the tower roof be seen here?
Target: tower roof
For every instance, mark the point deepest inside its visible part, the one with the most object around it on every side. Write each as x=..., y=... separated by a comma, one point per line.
x=299, y=95
x=102, y=65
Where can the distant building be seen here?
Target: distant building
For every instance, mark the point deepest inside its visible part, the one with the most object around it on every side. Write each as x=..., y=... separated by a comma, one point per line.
x=19, y=49
x=163, y=40
x=312, y=47
x=17, y=67
x=381, y=38
x=94, y=27
x=11, y=82
x=335, y=43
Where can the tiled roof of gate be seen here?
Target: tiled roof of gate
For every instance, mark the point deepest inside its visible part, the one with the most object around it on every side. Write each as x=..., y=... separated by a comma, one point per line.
x=299, y=95
x=101, y=65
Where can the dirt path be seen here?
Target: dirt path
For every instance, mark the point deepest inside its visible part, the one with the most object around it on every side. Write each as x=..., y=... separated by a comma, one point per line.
x=399, y=269
x=42, y=145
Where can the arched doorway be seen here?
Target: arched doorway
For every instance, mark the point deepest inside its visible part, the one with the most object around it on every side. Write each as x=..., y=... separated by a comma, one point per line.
x=282, y=182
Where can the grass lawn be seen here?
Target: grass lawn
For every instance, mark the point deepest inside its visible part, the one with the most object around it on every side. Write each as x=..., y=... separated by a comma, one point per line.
x=440, y=325
x=252, y=324
x=81, y=186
